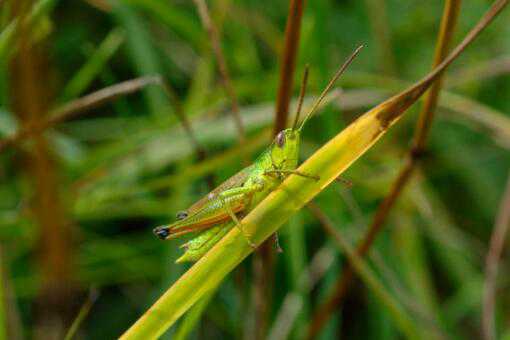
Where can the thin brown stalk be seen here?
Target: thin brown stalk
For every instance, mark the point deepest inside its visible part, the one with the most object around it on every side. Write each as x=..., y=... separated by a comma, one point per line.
x=78, y=106
x=100, y=97
x=288, y=64
x=226, y=81
x=265, y=256
x=29, y=74
x=199, y=150
x=96, y=99
x=448, y=22
x=496, y=245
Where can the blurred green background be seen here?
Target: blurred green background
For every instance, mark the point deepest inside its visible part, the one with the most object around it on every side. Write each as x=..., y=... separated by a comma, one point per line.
x=78, y=203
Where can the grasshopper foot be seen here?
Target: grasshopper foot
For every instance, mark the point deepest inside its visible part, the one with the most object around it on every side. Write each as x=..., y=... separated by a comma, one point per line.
x=246, y=236
x=250, y=243
x=344, y=181
x=276, y=241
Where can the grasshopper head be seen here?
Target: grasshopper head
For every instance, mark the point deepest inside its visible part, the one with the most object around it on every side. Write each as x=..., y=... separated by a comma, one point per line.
x=285, y=148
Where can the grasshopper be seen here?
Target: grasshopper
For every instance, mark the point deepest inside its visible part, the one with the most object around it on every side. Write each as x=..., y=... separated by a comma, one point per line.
x=216, y=213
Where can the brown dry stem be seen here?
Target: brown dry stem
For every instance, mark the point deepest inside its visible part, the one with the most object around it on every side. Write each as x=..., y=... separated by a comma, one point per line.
x=325, y=310
x=226, y=81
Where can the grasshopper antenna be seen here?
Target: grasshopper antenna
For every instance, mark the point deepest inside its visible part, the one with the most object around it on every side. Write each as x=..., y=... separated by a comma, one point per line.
x=330, y=85
x=301, y=96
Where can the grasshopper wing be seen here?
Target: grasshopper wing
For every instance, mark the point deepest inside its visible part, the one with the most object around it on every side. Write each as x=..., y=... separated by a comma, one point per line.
x=208, y=211
x=236, y=180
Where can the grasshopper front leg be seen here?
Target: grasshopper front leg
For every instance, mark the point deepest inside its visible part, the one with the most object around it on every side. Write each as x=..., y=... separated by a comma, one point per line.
x=294, y=172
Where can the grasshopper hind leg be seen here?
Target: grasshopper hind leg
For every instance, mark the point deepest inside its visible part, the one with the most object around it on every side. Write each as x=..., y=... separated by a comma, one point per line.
x=229, y=210
x=197, y=247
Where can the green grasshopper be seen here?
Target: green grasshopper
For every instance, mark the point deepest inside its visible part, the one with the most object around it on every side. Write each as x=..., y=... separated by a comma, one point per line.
x=216, y=213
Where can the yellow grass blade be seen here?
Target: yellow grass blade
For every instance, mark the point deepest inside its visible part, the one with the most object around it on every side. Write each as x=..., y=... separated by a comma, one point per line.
x=328, y=162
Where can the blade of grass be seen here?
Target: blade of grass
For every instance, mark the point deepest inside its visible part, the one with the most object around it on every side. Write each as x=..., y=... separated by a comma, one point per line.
x=38, y=10
x=82, y=314
x=400, y=316
x=414, y=266
x=378, y=16
x=3, y=300
x=496, y=246
x=450, y=14
x=488, y=119
x=329, y=161
x=94, y=65
x=178, y=20
x=480, y=71
x=193, y=317
x=142, y=52
x=450, y=244
x=294, y=300
x=401, y=293
x=296, y=259
x=265, y=29
x=172, y=16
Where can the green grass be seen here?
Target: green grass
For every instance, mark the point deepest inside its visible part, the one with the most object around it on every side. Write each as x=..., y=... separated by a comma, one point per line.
x=128, y=166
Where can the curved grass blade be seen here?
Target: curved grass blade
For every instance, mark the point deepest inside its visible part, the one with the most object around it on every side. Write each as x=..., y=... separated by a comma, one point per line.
x=193, y=317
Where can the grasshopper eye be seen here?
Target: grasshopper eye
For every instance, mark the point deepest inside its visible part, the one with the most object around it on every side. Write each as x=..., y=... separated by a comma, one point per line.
x=280, y=139
x=181, y=215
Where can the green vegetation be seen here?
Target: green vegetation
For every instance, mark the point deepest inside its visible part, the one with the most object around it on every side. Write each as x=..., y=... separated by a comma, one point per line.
x=81, y=190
